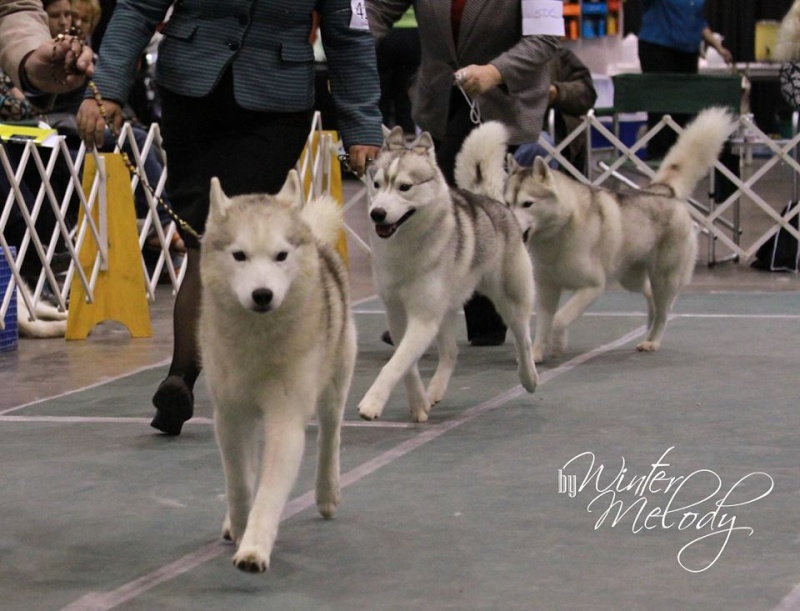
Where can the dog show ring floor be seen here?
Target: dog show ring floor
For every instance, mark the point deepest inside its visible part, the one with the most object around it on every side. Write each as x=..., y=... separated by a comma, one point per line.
x=627, y=481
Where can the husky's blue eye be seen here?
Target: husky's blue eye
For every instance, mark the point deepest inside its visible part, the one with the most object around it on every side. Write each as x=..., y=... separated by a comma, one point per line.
x=281, y=256
x=404, y=187
x=240, y=256
x=527, y=203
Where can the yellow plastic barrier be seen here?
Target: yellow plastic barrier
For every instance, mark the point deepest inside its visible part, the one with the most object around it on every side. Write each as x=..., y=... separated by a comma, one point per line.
x=334, y=180
x=119, y=293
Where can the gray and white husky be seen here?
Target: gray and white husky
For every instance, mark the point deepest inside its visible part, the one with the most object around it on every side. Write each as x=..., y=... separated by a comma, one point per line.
x=582, y=238
x=432, y=247
x=279, y=346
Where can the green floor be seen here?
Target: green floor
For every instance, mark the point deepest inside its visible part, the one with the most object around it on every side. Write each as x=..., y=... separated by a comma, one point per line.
x=99, y=512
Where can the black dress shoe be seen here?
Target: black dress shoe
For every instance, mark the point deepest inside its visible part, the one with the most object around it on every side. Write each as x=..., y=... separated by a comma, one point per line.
x=497, y=338
x=174, y=404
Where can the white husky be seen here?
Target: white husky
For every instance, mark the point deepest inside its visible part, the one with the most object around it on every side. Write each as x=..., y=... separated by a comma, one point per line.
x=432, y=248
x=583, y=238
x=278, y=345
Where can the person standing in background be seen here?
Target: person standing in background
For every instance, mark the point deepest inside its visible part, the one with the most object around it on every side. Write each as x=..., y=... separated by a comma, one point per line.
x=504, y=76
x=669, y=41
x=398, y=61
x=237, y=92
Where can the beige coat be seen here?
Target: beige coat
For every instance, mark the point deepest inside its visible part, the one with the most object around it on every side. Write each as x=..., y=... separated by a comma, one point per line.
x=491, y=32
x=23, y=27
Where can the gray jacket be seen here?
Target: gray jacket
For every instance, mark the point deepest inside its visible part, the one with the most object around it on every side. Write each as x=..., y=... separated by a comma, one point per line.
x=491, y=32
x=267, y=44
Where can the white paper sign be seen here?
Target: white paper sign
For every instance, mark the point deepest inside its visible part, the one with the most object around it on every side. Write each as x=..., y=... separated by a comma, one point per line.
x=542, y=17
x=358, y=15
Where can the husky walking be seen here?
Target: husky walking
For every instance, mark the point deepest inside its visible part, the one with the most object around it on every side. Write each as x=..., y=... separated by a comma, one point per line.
x=582, y=238
x=279, y=346
x=432, y=247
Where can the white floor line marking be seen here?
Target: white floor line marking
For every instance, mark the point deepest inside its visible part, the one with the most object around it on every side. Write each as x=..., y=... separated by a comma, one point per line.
x=102, y=601
x=356, y=424
x=790, y=602
x=102, y=382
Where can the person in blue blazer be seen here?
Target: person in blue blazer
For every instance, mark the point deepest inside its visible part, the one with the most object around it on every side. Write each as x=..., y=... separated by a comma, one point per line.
x=236, y=81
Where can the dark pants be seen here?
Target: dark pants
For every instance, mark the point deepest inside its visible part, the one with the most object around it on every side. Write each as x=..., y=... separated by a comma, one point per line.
x=483, y=321
x=655, y=58
x=398, y=61
x=249, y=151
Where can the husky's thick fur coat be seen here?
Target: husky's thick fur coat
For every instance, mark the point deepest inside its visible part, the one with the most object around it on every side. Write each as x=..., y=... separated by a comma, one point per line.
x=432, y=247
x=582, y=238
x=279, y=346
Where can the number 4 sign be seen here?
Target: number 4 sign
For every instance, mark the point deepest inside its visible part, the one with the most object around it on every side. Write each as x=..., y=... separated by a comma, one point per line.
x=358, y=18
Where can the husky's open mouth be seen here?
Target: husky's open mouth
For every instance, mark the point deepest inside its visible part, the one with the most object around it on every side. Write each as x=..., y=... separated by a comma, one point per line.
x=386, y=230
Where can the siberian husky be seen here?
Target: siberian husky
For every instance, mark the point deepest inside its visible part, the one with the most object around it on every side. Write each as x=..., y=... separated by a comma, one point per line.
x=279, y=345
x=582, y=238
x=432, y=247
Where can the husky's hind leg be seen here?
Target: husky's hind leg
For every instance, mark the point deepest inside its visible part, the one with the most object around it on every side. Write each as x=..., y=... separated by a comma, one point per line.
x=665, y=290
x=330, y=410
x=237, y=438
x=448, y=354
x=547, y=297
x=419, y=334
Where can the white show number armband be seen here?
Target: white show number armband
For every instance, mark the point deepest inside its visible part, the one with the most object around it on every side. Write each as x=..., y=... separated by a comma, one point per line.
x=358, y=15
x=542, y=17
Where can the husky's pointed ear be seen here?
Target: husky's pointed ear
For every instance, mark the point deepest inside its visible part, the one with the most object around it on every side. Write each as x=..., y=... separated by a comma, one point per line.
x=394, y=140
x=291, y=192
x=541, y=170
x=423, y=145
x=219, y=202
x=511, y=163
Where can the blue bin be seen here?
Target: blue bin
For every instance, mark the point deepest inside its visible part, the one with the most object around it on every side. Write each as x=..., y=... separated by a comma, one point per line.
x=9, y=335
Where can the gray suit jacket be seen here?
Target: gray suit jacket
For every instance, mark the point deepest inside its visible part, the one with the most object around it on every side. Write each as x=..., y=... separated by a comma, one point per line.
x=491, y=32
x=23, y=27
x=265, y=42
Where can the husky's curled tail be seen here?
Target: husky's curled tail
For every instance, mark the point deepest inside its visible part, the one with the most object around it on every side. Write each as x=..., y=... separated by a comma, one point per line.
x=695, y=151
x=325, y=218
x=479, y=164
x=787, y=48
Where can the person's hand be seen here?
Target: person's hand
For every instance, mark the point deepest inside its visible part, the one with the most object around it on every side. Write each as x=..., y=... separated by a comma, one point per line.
x=361, y=156
x=477, y=79
x=726, y=54
x=59, y=65
x=553, y=95
x=92, y=124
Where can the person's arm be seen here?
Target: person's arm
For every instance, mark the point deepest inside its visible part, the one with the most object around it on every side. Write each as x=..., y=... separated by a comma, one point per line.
x=512, y=68
x=131, y=27
x=34, y=62
x=355, y=87
x=572, y=88
x=713, y=41
x=383, y=14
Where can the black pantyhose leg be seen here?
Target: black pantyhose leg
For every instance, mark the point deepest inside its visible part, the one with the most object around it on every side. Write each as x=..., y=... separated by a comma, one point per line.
x=174, y=400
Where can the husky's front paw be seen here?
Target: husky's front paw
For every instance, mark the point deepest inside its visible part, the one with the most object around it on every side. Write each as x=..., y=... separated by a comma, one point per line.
x=419, y=411
x=369, y=410
x=328, y=497
x=528, y=376
x=537, y=352
x=251, y=560
x=647, y=346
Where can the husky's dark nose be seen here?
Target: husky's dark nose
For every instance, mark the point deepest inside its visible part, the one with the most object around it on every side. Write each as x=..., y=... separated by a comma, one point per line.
x=262, y=298
x=378, y=215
